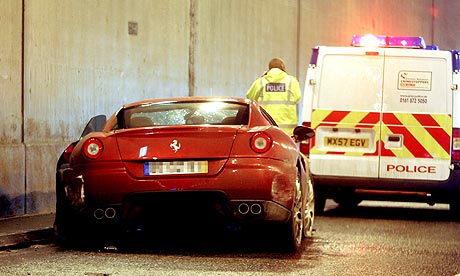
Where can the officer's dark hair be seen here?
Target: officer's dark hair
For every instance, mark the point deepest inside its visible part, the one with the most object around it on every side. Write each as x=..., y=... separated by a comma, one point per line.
x=276, y=63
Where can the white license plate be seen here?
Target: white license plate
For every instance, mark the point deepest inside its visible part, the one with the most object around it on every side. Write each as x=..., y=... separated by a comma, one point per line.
x=175, y=167
x=346, y=142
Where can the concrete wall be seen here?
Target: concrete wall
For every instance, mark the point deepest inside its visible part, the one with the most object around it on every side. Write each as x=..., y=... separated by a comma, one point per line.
x=64, y=61
x=81, y=60
x=236, y=39
x=12, y=151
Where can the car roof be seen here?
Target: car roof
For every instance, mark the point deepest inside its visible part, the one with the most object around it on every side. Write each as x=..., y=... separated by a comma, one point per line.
x=189, y=99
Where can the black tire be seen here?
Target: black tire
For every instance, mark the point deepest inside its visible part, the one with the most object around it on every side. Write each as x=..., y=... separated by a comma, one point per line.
x=61, y=224
x=347, y=203
x=63, y=230
x=454, y=207
x=66, y=226
x=320, y=201
x=347, y=199
x=71, y=231
x=293, y=230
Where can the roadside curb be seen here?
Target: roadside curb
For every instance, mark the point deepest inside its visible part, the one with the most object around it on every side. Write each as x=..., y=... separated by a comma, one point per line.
x=26, y=239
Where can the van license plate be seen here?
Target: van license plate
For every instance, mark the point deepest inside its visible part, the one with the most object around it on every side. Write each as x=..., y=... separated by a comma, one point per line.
x=346, y=142
x=175, y=167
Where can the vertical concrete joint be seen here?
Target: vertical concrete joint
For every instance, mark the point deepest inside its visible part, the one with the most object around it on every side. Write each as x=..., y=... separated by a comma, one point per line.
x=191, y=48
x=298, y=30
x=23, y=30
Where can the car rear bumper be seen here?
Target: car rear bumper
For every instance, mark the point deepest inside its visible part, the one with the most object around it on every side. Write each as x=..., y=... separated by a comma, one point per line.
x=172, y=211
x=247, y=191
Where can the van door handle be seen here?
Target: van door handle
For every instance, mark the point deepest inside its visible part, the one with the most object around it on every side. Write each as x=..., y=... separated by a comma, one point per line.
x=394, y=141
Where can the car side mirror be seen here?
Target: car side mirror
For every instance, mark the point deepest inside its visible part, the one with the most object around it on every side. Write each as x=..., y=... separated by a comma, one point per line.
x=302, y=133
x=95, y=124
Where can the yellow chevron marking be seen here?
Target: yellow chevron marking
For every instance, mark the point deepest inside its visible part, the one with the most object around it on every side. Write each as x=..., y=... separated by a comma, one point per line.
x=444, y=121
x=352, y=118
x=318, y=116
x=423, y=136
x=408, y=121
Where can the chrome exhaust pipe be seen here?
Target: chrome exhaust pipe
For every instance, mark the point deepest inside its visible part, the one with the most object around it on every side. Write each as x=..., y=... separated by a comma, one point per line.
x=256, y=209
x=99, y=214
x=110, y=213
x=243, y=208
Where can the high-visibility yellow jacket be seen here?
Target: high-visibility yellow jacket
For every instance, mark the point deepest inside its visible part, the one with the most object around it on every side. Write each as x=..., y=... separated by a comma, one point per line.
x=279, y=94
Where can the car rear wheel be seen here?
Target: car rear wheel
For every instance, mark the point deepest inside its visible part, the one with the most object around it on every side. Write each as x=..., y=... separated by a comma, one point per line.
x=294, y=227
x=66, y=226
x=63, y=230
x=62, y=221
x=309, y=217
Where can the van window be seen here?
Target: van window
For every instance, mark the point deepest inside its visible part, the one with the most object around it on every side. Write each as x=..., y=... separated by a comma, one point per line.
x=351, y=82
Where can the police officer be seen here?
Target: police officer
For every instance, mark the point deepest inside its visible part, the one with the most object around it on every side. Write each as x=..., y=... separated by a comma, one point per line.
x=278, y=93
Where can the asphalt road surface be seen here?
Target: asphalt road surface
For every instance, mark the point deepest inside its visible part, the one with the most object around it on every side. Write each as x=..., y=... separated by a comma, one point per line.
x=376, y=238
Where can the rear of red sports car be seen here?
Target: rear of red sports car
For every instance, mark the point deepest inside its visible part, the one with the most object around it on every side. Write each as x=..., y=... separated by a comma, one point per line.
x=169, y=164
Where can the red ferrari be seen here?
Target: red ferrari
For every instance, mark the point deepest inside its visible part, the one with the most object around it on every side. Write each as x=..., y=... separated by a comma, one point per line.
x=172, y=164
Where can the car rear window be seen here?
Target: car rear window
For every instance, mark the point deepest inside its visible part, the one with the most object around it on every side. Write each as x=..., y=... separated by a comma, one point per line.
x=185, y=113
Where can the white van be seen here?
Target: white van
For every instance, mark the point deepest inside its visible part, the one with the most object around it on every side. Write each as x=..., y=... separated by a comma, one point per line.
x=387, y=121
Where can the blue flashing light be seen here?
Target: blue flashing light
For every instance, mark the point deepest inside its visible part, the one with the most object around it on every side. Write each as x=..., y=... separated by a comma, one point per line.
x=455, y=60
x=432, y=47
x=388, y=41
x=406, y=42
x=369, y=40
x=314, y=56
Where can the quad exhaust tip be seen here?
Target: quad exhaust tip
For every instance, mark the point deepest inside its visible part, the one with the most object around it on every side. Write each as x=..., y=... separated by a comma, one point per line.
x=108, y=213
x=249, y=208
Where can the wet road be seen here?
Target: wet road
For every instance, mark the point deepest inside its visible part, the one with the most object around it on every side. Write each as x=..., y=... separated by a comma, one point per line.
x=373, y=239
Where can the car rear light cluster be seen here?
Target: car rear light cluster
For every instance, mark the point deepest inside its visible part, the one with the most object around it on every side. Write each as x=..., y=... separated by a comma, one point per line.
x=456, y=144
x=93, y=148
x=261, y=142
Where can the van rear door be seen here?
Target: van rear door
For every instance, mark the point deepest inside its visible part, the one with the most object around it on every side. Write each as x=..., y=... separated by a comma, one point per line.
x=382, y=113
x=416, y=125
x=346, y=111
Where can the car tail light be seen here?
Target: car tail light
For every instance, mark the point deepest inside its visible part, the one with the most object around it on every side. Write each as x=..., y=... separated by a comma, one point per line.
x=93, y=148
x=304, y=146
x=67, y=153
x=456, y=144
x=261, y=142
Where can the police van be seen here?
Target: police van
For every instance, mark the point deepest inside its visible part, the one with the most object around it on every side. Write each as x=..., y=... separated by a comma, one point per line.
x=387, y=120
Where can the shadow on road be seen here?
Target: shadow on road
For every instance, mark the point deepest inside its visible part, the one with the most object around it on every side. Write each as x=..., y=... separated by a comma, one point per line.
x=391, y=211
x=259, y=242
